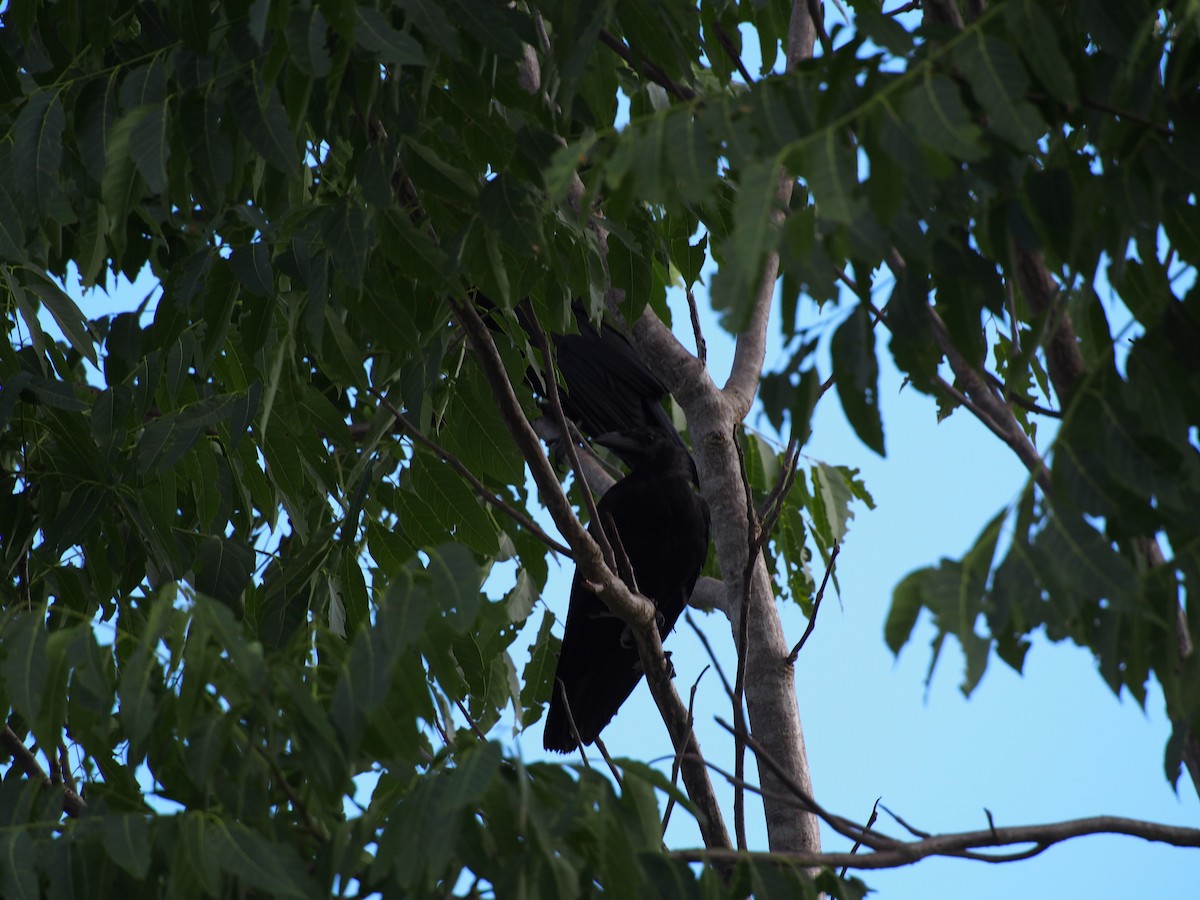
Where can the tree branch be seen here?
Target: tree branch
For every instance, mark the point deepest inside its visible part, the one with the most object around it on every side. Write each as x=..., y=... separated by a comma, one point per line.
x=812, y=620
x=636, y=611
x=73, y=804
x=751, y=347
x=646, y=68
x=958, y=844
x=560, y=418
x=987, y=406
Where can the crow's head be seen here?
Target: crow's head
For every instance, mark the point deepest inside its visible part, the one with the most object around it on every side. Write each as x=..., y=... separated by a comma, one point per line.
x=651, y=451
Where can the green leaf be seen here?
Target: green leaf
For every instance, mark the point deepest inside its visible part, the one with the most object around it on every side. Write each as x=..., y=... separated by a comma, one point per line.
x=37, y=151
x=488, y=22
x=69, y=317
x=856, y=374
x=12, y=229
x=474, y=431
x=538, y=677
x=149, y=147
x=375, y=34
x=754, y=235
x=306, y=39
x=1182, y=223
x=432, y=21
x=831, y=174
x=256, y=862
x=834, y=489
x=1040, y=46
x=455, y=506
x=999, y=80
x=127, y=842
x=251, y=264
x=936, y=115
x=223, y=569
x=17, y=853
x=262, y=119
x=26, y=670
x=167, y=439
x=902, y=615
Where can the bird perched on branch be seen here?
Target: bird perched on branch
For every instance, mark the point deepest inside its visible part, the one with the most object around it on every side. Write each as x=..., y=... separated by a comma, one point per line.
x=608, y=387
x=661, y=525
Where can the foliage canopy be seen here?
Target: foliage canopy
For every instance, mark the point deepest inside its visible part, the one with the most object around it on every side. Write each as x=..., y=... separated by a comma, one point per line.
x=311, y=183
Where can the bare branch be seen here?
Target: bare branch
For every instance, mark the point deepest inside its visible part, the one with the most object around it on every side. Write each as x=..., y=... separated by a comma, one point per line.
x=812, y=620
x=73, y=804
x=716, y=663
x=818, y=17
x=870, y=821
x=1021, y=401
x=915, y=832
x=676, y=761
x=562, y=693
x=646, y=68
x=311, y=825
x=608, y=760
x=959, y=844
x=986, y=405
x=470, y=721
x=843, y=826
x=769, y=513
x=731, y=52
x=709, y=594
x=701, y=346
x=1063, y=358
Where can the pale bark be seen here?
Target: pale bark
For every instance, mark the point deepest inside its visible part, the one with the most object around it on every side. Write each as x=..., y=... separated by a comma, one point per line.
x=713, y=415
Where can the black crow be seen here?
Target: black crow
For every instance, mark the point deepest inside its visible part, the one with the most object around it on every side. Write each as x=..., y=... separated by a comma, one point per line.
x=662, y=526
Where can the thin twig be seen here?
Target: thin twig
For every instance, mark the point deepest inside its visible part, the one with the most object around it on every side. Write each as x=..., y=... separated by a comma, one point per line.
x=64, y=765
x=818, y=17
x=1019, y=399
x=915, y=832
x=870, y=821
x=812, y=620
x=711, y=655
x=470, y=721
x=843, y=826
x=562, y=692
x=731, y=52
x=612, y=767
x=310, y=824
x=675, y=760
x=961, y=844
x=701, y=346
x=768, y=515
x=644, y=67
